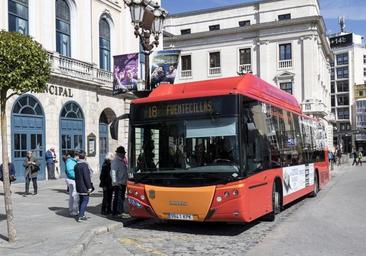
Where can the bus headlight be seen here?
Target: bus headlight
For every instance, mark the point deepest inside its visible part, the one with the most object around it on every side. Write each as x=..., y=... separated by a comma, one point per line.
x=219, y=199
x=235, y=192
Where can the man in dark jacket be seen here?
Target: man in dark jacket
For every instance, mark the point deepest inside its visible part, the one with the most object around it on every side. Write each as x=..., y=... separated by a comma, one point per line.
x=11, y=172
x=83, y=184
x=106, y=184
x=50, y=161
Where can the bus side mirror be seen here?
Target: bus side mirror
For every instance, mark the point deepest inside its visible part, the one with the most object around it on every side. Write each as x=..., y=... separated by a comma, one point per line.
x=114, y=125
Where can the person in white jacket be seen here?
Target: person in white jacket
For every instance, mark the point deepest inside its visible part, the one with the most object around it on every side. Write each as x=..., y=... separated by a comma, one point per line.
x=119, y=180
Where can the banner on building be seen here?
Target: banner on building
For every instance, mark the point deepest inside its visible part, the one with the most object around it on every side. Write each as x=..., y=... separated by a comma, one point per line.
x=164, y=67
x=125, y=73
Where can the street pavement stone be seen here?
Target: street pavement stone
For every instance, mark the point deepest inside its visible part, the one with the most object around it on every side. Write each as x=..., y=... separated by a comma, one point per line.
x=43, y=224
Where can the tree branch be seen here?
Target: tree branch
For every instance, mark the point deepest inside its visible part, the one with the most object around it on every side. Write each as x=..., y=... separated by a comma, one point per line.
x=12, y=94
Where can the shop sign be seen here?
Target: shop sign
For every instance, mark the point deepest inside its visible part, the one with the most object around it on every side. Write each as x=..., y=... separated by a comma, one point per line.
x=59, y=91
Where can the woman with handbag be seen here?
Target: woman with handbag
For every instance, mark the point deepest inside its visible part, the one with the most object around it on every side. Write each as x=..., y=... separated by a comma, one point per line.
x=31, y=166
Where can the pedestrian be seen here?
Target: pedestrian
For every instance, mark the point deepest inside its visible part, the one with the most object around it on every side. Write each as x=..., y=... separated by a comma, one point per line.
x=119, y=180
x=106, y=184
x=83, y=184
x=339, y=156
x=331, y=159
x=360, y=156
x=70, y=163
x=31, y=165
x=11, y=168
x=354, y=156
x=51, y=161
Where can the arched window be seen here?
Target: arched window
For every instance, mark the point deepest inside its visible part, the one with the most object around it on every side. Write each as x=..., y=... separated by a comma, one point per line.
x=63, y=38
x=104, y=45
x=72, y=110
x=18, y=16
x=27, y=105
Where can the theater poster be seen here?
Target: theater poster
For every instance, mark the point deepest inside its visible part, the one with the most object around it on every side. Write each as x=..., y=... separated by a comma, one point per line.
x=164, y=67
x=125, y=73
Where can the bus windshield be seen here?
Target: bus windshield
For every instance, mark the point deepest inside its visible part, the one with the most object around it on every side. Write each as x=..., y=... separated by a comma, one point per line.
x=186, y=147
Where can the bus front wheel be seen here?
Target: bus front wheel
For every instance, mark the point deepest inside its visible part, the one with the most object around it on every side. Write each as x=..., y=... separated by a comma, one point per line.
x=276, y=202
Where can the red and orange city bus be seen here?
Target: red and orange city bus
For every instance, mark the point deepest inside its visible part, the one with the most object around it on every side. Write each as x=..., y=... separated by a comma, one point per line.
x=231, y=149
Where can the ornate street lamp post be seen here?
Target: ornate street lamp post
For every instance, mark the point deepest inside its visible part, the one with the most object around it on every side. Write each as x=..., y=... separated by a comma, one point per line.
x=147, y=18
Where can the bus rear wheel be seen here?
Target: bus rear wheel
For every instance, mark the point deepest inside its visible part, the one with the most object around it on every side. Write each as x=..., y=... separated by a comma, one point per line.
x=316, y=186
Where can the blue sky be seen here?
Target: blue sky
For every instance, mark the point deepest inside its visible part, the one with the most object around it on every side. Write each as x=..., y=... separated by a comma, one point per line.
x=353, y=10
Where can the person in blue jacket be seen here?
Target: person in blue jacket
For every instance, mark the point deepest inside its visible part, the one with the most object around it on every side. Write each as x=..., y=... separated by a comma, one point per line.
x=71, y=161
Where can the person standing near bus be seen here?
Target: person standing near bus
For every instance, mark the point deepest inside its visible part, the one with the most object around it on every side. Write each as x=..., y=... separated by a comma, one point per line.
x=355, y=157
x=83, y=185
x=119, y=180
x=70, y=163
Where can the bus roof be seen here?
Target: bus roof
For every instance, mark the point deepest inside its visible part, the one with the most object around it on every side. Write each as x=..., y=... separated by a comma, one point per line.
x=247, y=85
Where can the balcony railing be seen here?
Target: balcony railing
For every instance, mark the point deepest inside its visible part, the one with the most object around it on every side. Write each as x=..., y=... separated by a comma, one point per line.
x=186, y=73
x=314, y=107
x=245, y=68
x=62, y=65
x=282, y=64
x=215, y=71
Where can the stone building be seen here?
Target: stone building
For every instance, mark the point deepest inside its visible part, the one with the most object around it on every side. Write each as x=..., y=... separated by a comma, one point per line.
x=283, y=42
x=78, y=106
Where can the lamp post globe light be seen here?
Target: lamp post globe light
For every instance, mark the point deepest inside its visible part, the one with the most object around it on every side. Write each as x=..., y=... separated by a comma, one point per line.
x=148, y=19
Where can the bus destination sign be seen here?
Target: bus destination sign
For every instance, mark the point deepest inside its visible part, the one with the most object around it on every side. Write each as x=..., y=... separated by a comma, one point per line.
x=176, y=109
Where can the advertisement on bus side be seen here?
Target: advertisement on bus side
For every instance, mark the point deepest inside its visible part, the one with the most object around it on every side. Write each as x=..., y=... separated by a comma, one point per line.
x=297, y=177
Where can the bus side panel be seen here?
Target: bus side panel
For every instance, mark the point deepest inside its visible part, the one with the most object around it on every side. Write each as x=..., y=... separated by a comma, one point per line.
x=259, y=193
x=296, y=195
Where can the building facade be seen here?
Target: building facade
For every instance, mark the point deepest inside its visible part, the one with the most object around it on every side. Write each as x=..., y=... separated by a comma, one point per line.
x=348, y=70
x=359, y=108
x=282, y=42
x=81, y=38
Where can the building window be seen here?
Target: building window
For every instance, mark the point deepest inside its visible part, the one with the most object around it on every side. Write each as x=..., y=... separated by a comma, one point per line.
x=343, y=100
x=343, y=113
x=245, y=56
x=287, y=87
x=342, y=59
x=104, y=45
x=332, y=77
x=18, y=16
x=215, y=63
x=364, y=59
x=285, y=52
x=186, y=66
x=244, y=23
x=63, y=38
x=185, y=31
x=343, y=86
x=332, y=64
x=360, y=93
x=342, y=72
x=286, y=16
x=333, y=101
x=332, y=87
x=214, y=27
x=364, y=71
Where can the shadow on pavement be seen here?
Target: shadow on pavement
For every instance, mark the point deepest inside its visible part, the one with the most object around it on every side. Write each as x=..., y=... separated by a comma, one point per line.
x=58, y=190
x=5, y=238
x=61, y=211
x=196, y=228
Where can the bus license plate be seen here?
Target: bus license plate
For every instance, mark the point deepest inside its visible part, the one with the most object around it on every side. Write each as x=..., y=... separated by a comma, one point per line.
x=178, y=216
